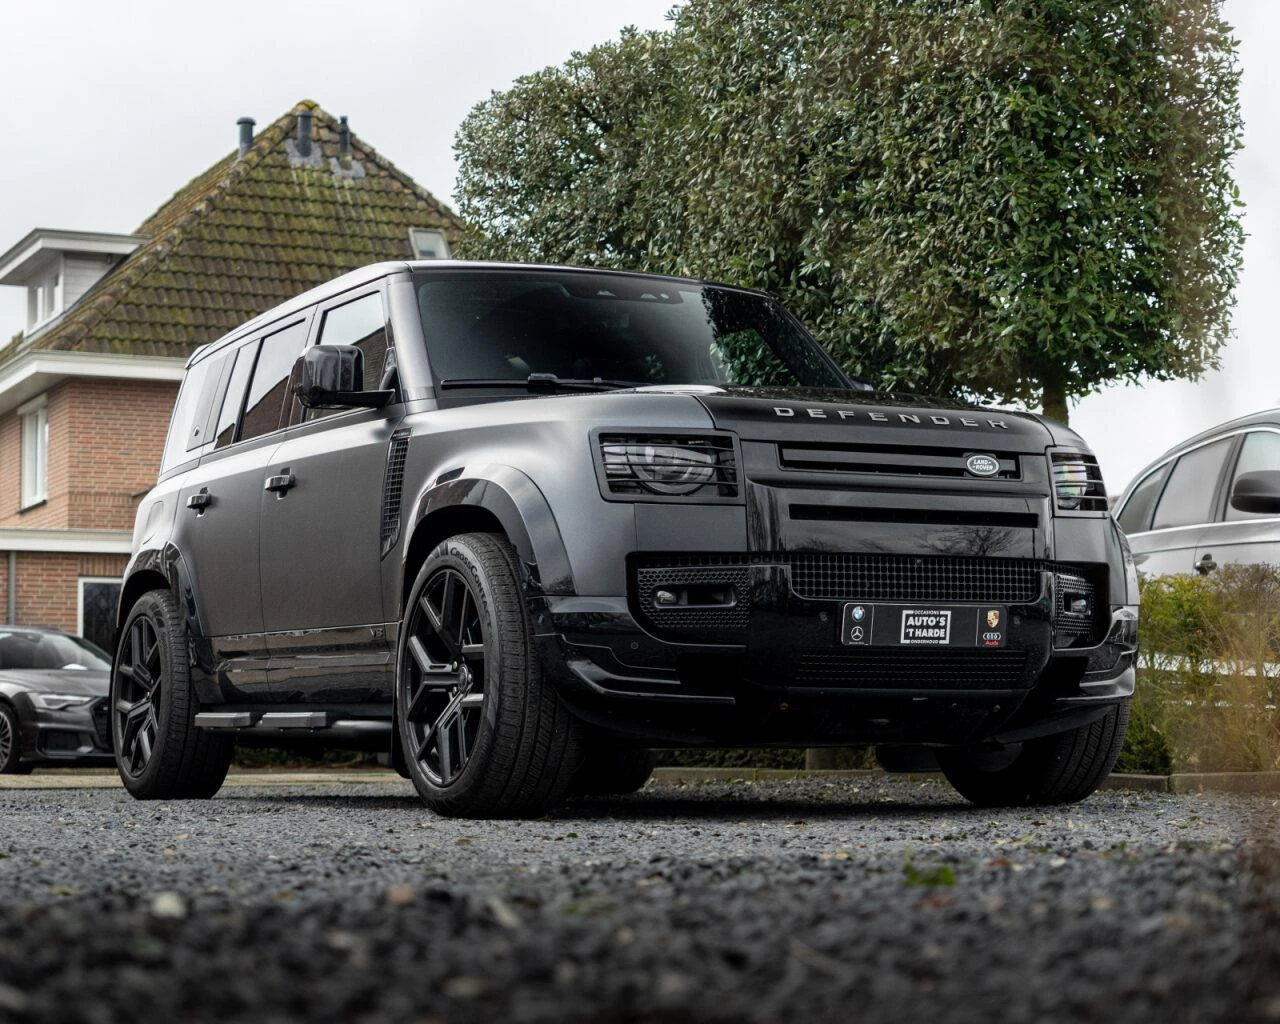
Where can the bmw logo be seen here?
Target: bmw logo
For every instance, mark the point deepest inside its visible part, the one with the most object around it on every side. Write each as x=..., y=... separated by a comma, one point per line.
x=859, y=613
x=982, y=465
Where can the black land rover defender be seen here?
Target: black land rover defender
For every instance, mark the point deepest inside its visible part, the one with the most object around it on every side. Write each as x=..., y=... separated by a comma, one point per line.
x=518, y=525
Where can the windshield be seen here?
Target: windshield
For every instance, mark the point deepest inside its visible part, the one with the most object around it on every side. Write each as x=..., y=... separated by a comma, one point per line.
x=19, y=650
x=498, y=325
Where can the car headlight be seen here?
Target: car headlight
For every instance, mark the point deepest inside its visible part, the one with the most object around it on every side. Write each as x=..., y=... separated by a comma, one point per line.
x=640, y=466
x=58, y=701
x=1077, y=482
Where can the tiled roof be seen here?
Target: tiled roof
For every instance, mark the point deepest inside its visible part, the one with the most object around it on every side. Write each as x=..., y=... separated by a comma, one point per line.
x=245, y=235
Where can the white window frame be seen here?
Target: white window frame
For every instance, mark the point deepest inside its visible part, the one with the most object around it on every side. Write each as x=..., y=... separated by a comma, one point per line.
x=428, y=244
x=48, y=293
x=34, y=417
x=80, y=582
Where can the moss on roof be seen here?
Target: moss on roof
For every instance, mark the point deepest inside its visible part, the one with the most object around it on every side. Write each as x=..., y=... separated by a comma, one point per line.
x=245, y=235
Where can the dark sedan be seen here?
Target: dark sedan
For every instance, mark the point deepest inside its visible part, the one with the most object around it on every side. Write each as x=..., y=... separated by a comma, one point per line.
x=53, y=700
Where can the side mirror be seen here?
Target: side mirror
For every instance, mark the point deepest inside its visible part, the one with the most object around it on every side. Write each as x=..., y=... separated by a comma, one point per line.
x=332, y=377
x=1257, y=492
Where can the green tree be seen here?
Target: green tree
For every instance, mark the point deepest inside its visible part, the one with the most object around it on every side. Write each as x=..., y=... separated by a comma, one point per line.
x=1010, y=201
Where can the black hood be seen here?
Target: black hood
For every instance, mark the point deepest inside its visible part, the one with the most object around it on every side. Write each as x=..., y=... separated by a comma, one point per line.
x=824, y=415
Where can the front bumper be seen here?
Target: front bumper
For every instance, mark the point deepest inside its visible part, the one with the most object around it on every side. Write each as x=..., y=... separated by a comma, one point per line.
x=71, y=736
x=789, y=681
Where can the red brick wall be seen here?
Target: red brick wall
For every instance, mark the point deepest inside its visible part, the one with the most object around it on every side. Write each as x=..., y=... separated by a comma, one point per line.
x=105, y=442
x=48, y=590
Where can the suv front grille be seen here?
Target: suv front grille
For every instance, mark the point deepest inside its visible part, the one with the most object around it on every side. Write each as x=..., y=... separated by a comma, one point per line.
x=893, y=460
x=914, y=578
x=712, y=591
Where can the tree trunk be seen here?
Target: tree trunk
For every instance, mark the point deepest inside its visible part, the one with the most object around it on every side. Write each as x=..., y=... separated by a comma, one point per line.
x=1053, y=401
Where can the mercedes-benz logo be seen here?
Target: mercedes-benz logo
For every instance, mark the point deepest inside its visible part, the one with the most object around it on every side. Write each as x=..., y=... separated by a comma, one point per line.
x=856, y=634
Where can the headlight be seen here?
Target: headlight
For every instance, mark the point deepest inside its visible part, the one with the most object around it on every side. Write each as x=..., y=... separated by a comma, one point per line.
x=58, y=701
x=1077, y=482
x=640, y=466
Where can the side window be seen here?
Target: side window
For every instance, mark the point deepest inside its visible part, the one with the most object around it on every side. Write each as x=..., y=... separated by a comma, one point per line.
x=270, y=380
x=361, y=323
x=187, y=424
x=1136, y=514
x=233, y=399
x=1188, y=496
x=1260, y=451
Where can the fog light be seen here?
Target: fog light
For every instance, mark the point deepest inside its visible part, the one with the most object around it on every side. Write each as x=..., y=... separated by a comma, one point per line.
x=665, y=597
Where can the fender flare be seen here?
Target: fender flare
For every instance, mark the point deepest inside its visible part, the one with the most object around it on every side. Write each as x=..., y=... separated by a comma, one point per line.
x=512, y=498
x=165, y=562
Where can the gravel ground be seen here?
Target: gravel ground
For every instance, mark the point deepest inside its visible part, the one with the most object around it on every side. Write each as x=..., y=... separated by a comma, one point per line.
x=811, y=899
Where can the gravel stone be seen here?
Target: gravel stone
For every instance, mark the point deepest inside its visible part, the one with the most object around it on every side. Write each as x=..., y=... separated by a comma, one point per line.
x=811, y=899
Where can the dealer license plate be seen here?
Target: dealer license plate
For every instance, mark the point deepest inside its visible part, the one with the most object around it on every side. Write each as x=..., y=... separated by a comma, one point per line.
x=867, y=624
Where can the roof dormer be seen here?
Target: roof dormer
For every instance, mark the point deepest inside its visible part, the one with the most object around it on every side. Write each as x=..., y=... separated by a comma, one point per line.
x=57, y=267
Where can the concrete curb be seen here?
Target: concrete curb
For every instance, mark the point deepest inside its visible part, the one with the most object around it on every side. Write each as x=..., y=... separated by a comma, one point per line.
x=1241, y=783
x=106, y=779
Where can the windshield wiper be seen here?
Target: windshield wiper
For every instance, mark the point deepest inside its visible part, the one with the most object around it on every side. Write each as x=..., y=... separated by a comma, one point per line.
x=540, y=382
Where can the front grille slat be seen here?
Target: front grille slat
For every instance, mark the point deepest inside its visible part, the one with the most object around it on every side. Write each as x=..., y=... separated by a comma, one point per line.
x=894, y=669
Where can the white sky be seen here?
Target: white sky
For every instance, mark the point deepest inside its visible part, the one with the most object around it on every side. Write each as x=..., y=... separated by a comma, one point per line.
x=110, y=106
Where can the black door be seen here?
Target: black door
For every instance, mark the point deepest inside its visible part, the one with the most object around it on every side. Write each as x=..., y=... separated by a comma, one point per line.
x=322, y=585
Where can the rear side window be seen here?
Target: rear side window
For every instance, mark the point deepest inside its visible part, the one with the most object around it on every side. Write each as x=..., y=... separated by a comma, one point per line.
x=187, y=424
x=1136, y=514
x=1188, y=496
x=270, y=380
x=1260, y=451
x=233, y=400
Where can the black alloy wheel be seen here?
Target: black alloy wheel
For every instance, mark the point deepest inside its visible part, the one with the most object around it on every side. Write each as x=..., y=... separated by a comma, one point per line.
x=445, y=677
x=139, y=679
x=10, y=743
x=481, y=732
x=160, y=753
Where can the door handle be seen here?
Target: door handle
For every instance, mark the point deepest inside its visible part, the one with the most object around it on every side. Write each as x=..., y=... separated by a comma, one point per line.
x=199, y=501
x=280, y=484
x=1206, y=564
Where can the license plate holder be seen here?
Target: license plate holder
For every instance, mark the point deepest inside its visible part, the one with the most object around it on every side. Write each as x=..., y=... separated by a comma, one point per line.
x=923, y=625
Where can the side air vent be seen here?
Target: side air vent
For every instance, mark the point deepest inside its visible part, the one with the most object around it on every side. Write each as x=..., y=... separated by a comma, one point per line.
x=392, y=490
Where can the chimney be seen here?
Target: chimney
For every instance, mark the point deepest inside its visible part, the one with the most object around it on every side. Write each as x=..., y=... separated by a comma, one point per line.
x=344, y=139
x=246, y=134
x=304, y=133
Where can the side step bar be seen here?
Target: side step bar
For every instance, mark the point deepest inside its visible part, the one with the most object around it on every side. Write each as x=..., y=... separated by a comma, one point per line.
x=326, y=725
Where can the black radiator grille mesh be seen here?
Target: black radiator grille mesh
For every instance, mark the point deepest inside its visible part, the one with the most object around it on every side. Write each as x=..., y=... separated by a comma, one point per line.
x=913, y=578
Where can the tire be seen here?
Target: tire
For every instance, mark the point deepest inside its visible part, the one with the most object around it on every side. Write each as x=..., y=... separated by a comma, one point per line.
x=160, y=754
x=1059, y=769
x=484, y=736
x=613, y=771
x=11, y=743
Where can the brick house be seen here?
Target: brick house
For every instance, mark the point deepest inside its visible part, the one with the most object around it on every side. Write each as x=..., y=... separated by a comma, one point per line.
x=87, y=387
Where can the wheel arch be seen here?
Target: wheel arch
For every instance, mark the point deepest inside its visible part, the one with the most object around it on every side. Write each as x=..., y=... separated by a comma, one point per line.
x=156, y=569
x=490, y=499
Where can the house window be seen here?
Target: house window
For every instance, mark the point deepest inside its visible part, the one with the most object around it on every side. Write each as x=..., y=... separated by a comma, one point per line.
x=35, y=451
x=428, y=244
x=96, y=621
x=46, y=299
